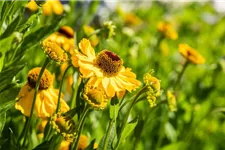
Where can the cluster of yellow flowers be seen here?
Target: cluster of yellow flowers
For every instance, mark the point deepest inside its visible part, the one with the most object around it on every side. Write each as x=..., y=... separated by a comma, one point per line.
x=49, y=7
x=105, y=72
x=153, y=85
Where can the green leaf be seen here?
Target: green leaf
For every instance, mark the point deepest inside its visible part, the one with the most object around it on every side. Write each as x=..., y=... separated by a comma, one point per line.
x=5, y=45
x=3, y=141
x=35, y=37
x=2, y=121
x=9, y=94
x=1, y=5
x=177, y=145
x=170, y=132
x=31, y=21
x=6, y=106
x=13, y=140
x=113, y=109
x=6, y=76
x=43, y=146
x=11, y=28
x=128, y=129
x=110, y=139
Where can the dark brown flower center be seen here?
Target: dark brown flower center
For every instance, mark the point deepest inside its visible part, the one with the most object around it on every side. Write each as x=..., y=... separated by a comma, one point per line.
x=46, y=79
x=66, y=31
x=109, y=63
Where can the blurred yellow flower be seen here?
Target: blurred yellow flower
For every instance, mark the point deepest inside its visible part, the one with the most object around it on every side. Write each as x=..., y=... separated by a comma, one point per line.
x=47, y=96
x=105, y=70
x=64, y=125
x=49, y=7
x=153, y=85
x=88, y=30
x=191, y=54
x=64, y=38
x=130, y=19
x=83, y=143
x=64, y=145
x=171, y=98
x=167, y=30
x=95, y=97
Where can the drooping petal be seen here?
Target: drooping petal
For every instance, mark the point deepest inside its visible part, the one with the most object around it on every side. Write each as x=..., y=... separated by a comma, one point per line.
x=26, y=96
x=87, y=49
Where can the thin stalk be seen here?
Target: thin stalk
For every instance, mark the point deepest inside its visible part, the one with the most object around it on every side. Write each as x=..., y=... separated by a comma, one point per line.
x=180, y=74
x=127, y=114
x=111, y=122
x=27, y=126
x=60, y=89
x=74, y=96
x=95, y=32
x=161, y=129
x=80, y=128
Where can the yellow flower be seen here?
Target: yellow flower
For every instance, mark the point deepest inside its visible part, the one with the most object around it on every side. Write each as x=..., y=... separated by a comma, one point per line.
x=83, y=143
x=64, y=145
x=47, y=96
x=168, y=30
x=54, y=51
x=105, y=70
x=64, y=39
x=49, y=7
x=171, y=101
x=191, y=54
x=153, y=85
x=88, y=30
x=132, y=19
x=95, y=97
x=64, y=125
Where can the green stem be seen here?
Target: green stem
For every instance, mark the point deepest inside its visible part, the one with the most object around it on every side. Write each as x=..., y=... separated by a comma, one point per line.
x=27, y=126
x=180, y=74
x=95, y=32
x=74, y=96
x=80, y=127
x=127, y=114
x=105, y=144
x=161, y=129
x=60, y=89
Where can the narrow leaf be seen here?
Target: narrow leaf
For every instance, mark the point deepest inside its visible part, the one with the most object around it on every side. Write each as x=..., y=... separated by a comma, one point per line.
x=113, y=111
x=2, y=121
x=128, y=129
x=6, y=106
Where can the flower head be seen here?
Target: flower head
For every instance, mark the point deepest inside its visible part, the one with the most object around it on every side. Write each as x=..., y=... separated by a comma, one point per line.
x=171, y=101
x=191, y=54
x=82, y=145
x=105, y=70
x=49, y=7
x=56, y=53
x=167, y=30
x=64, y=125
x=153, y=85
x=88, y=30
x=46, y=98
x=63, y=40
x=95, y=97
